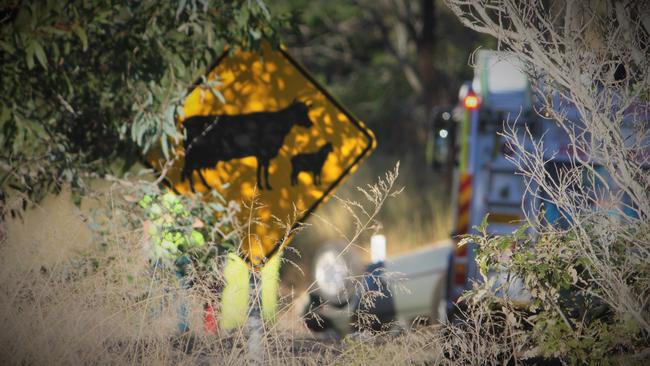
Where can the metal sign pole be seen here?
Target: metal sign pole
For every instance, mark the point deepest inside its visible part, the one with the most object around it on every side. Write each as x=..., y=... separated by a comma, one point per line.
x=255, y=325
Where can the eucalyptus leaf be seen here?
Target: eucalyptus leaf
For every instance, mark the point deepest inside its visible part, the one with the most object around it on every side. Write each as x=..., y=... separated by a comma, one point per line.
x=83, y=37
x=29, y=55
x=122, y=90
x=40, y=54
x=7, y=47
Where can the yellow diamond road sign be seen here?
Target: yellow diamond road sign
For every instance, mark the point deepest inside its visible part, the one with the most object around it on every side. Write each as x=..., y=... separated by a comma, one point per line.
x=278, y=137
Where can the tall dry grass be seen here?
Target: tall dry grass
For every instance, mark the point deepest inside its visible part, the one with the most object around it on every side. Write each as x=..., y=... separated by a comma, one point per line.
x=420, y=216
x=96, y=299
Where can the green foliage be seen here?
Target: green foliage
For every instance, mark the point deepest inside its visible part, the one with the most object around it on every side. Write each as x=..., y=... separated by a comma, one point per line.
x=90, y=85
x=168, y=229
x=184, y=231
x=566, y=314
x=184, y=234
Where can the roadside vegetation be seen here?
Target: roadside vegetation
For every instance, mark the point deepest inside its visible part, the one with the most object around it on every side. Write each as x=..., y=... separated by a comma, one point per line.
x=105, y=303
x=587, y=272
x=90, y=87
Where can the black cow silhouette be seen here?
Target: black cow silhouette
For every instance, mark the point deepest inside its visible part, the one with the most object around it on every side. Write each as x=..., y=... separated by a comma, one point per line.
x=215, y=138
x=311, y=163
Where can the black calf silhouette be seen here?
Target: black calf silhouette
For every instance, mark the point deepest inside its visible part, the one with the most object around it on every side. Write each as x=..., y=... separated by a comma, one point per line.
x=215, y=138
x=310, y=162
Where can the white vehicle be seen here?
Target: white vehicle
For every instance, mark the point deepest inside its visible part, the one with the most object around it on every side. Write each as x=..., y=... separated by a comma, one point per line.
x=405, y=290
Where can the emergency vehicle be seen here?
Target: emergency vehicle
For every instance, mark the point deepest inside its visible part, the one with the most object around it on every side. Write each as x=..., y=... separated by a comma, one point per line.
x=468, y=147
x=487, y=182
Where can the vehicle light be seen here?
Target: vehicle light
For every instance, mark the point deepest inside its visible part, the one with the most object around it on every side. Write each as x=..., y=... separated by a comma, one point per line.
x=471, y=100
x=460, y=274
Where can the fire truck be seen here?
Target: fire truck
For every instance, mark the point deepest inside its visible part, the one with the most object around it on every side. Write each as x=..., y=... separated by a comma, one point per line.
x=467, y=147
x=470, y=147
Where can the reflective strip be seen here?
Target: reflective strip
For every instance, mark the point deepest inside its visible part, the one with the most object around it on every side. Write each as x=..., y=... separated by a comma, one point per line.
x=465, y=197
x=464, y=203
x=463, y=224
x=460, y=273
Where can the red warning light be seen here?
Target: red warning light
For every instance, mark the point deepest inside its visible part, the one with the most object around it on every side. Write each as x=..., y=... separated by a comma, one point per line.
x=471, y=101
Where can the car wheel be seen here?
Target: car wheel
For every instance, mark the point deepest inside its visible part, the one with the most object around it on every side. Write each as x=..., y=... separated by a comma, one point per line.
x=335, y=270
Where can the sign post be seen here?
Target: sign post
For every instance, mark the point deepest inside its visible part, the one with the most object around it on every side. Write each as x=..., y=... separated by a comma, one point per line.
x=256, y=349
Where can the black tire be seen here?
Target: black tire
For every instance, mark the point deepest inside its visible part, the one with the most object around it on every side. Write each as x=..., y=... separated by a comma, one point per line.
x=314, y=321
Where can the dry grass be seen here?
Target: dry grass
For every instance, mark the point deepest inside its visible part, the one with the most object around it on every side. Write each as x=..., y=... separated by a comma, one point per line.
x=420, y=216
x=71, y=297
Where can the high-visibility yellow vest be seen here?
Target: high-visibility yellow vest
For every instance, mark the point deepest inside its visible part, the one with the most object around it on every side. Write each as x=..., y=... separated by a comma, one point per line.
x=166, y=247
x=234, y=298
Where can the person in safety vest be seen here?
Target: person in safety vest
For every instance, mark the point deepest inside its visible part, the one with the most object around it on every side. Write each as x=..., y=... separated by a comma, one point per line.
x=171, y=236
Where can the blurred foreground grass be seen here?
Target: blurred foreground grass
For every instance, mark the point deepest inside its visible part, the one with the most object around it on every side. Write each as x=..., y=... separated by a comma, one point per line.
x=420, y=215
x=69, y=296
